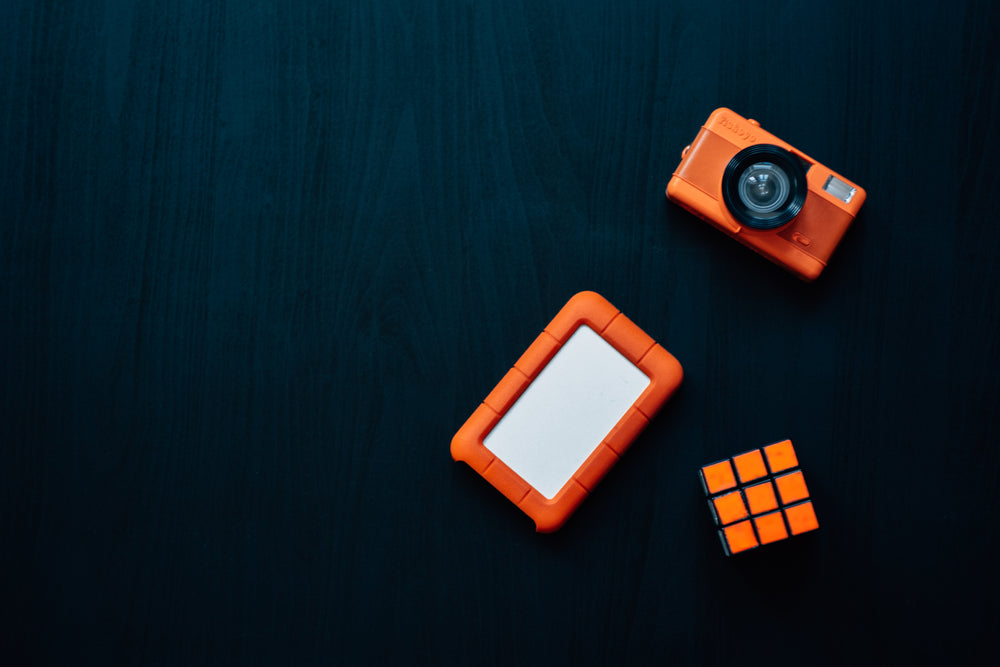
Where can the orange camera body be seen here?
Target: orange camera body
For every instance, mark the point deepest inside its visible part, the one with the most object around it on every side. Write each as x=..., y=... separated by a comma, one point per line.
x=764, y=193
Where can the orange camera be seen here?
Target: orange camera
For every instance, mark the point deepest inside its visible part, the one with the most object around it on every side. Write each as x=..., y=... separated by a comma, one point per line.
x=764, y=193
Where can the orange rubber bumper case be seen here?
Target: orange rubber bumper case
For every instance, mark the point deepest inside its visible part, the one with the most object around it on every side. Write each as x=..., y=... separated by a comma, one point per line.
x=568, y=409
x=758, y=497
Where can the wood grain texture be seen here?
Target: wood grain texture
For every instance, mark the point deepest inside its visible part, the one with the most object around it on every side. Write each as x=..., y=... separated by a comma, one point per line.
x=259, y=261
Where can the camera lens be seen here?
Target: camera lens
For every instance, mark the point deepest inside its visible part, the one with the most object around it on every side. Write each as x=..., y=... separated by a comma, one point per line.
x=764, y=186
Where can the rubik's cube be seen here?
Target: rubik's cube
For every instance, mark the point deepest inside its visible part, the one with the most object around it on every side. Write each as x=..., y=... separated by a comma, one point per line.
x=769, y=503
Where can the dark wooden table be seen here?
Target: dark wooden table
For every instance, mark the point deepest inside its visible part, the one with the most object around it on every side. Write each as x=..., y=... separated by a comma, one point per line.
x=260, y=260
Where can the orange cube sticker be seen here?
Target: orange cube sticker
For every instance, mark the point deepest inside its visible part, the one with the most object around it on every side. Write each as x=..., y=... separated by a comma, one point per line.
x=781, y=456
x=801, y=518
x=792, y=487
x=760, y=498
x=718, y=477
x=738, y=537
x=770, y=527
x=750, y=466
x=768, y=504
x=729, y=508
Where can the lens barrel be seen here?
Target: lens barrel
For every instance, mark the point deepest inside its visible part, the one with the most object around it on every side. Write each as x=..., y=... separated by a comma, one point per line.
x=764, y=186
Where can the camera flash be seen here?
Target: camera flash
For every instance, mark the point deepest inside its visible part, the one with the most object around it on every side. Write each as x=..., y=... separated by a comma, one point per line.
x=839, y=189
